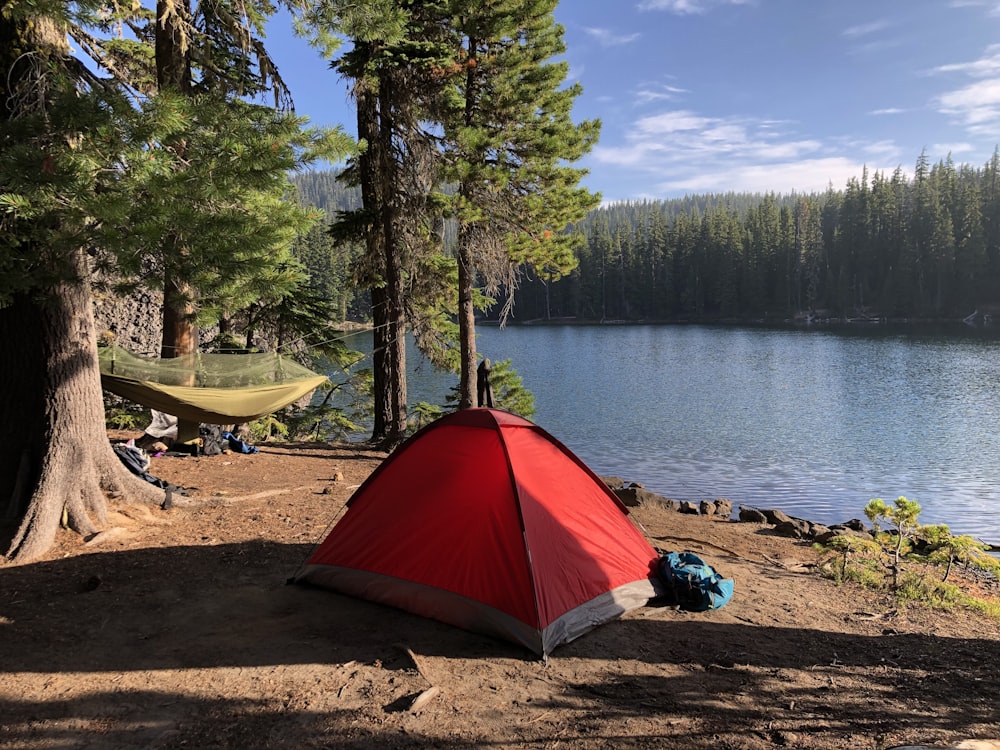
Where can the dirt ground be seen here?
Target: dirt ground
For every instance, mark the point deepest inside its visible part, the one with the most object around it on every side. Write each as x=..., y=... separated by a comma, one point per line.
x=176, y=629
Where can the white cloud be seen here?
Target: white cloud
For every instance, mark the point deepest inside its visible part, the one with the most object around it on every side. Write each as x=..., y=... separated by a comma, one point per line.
x=688, y=7
x=790, y=150
x=887, y=111
x=806, y=176
x=951, y=148
x=725, y=136
x=867, y=40
x=993, y=5
x=985, y=66
x=981, y=95
x=977, y=105
x=769, y=124
x=607, y=38
x=623, y=156
x=884, y=151
x=671, y=122
x=865, y=29
x=653, y=92
x=682, y=7
x=735, y=153
x=875, y=46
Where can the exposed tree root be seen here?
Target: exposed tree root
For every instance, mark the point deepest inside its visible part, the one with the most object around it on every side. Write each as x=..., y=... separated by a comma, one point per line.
x=72, y=490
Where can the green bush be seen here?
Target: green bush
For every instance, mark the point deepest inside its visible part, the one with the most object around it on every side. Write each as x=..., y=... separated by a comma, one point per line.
x=124, y=418
x=911, y=561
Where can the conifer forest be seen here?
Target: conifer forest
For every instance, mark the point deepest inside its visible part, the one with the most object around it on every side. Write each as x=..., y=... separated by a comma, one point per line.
x=920, y=245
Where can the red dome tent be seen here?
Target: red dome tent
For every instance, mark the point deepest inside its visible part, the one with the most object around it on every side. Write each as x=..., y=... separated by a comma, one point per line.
x=485, y=521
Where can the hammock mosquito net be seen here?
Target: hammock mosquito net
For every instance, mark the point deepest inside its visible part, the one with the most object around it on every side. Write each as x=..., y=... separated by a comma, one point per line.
x=210, y=388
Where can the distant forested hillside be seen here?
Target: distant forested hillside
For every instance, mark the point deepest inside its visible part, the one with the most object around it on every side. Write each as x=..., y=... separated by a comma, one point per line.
x=331, y=264
x=322, y=189
x=886, y=245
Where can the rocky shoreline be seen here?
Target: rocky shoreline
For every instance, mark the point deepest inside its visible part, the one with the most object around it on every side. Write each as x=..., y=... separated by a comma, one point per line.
x=633, y=494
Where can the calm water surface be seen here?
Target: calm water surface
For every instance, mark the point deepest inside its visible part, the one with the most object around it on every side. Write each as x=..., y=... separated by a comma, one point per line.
x=813, y=422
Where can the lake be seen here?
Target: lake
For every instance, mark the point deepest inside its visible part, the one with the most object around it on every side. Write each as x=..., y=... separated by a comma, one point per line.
x=815, y=422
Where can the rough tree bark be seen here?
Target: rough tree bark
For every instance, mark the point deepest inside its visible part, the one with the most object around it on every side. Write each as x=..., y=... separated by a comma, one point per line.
x=180, y=334
x=55, y=457
x=467, y=382
x=377, y=170
x=173, y=73
x=395, y=325
x=367, y=119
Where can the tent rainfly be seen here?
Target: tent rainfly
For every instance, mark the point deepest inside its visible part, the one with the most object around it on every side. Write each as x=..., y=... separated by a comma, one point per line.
x=485, y=521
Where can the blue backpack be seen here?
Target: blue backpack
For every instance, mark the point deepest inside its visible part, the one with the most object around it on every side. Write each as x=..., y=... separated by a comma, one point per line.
x=691, y=583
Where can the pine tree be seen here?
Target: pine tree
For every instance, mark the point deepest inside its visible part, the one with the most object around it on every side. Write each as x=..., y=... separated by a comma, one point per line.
x=971, y=268
x=509, y=142
x=213, y=56
x=228, y=208
x=655, y=282
x=57, y=139
x=990, y=190
x=396, y=47
x=85, y=177
x=809, y=248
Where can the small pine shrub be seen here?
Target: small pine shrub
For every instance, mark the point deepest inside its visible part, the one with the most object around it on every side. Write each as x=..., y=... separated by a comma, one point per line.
x=121, y=418
x=927, y=550
x=422, y=414
x=267, y=428
x=508, y=389
x=867, y=574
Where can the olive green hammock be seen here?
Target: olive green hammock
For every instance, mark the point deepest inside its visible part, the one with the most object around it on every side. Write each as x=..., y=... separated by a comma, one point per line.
x=210, y=388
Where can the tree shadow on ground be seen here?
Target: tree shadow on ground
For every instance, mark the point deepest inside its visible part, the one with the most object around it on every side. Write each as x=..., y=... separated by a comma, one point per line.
x=333, y=451
x=211, y=607
x=149, y=719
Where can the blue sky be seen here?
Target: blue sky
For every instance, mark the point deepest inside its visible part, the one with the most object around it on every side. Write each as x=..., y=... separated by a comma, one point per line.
x=701, y=96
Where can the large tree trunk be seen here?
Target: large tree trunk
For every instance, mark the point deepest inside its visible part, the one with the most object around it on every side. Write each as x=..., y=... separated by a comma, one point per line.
x=371, y=198
x=382, y=405
x=180, y=334
x=173, y=73
x=395, y=357
x=172, y=45
x=395, y=326
x=467, y=383
x=467, y=376
x=377, y=172
x=55, y=457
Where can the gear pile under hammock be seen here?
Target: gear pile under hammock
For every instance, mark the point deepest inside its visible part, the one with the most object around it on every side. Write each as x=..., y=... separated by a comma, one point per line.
x=211, y=388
